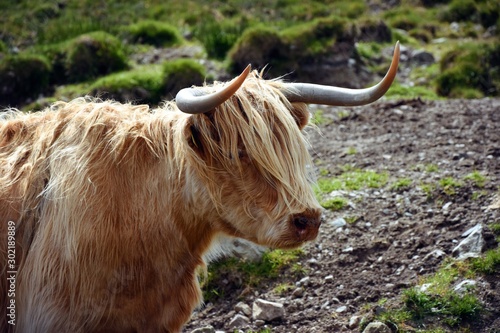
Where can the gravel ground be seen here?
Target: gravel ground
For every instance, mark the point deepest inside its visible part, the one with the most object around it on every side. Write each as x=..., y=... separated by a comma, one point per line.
x=398, y=236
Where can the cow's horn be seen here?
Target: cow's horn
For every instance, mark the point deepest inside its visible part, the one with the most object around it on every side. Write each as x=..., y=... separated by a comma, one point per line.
x=327, y=95
x=195, y=100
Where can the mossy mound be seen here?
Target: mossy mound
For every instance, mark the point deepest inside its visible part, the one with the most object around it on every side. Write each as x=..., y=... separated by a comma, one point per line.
x=471, y=71
x=140, y=85
x=150, y=84
x=179, y=74
x=22, y=78
x=301, y=48
x=155, y=33
x=92, y=55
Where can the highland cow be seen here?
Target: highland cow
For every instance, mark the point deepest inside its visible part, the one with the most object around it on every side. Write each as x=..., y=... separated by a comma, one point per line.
x=107, y=209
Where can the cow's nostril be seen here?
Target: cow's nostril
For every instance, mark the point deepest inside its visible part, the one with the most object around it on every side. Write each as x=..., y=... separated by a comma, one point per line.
x=301, y=222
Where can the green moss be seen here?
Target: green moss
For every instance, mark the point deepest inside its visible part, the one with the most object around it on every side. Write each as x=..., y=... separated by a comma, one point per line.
x=22, y=78
x=489, y=263
x=218, y=37
x=179, y=74
x=93, y=55
x=449, y=185
x=141, y=85
x=247, y=273
x=398, y=91
x=288, y=49
x=260, y=46
x=153, y=33
x=334, y=204
x=401, y=184
x=460, y=10
x=476, y=178
x=3, y=47
x=353, y=179
x=470, y=70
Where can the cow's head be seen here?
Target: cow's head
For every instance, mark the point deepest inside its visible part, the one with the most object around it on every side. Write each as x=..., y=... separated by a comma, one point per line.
x=252, y=157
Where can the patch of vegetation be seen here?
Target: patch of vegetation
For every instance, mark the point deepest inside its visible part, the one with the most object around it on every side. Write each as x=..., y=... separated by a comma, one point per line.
x=402, y=184
x=247, y=273
x=334, y=204
x=288, y=49
x=181, y=73
x=351, y=151
x=153, y=33
x=449, y=185
x=318, y=118
x=470, y=70
x=435, y=297
x=476, y=178
x=22, y=77
x=485, y=13
x=398, y=91
x=143, y=84
x=450, y=307
x=92, y=55
x=490, y=262
x=218, y=36
x=283, y=288
x=352, y=180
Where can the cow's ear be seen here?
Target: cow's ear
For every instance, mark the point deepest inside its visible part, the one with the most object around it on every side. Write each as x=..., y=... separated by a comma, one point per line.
x=301, y=114
x=193, y=136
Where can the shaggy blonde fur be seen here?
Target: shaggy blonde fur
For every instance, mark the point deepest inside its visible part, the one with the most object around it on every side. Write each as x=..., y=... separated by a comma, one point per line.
x=115, y=204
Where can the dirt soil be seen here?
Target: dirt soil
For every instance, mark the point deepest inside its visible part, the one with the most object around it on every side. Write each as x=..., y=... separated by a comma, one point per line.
x=386, y=250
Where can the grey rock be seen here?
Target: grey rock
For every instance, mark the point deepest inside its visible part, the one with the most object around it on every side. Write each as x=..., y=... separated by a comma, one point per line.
x=267, y=311
x=259, y=323
x=340, y=309
x=239, y=321
x=338, y=223
x=242, y=248
x=329, y=279
x=435, y=254
x=377, y=327
x=299, y=292
x=243, y=308
x=206, y=329
x=423, y=57
x=471, y=246
x=464, y=286
x=354, y=322
x=304, y=281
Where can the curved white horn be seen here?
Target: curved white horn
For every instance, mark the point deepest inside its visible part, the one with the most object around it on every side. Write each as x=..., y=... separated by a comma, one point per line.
x=328, y=95
x=195, y=100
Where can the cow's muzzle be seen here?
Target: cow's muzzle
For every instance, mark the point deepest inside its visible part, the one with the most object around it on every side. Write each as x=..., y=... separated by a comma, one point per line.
x=306, y=225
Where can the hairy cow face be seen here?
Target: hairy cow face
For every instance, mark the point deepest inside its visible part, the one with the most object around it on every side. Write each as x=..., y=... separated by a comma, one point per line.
x=253, y=158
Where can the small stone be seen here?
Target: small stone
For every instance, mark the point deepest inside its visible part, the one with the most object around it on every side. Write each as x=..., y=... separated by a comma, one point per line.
x=340, y=309
x=206, y=329
x=377, y=327
x=259, y=323
x=423, y=57
x=354, y=322
x=436, y=254
x=267, y=311
x=447, y=205
x=469, y=231
x=299, y=292
x=464, y=286
x=329, y=279
x=304, y=281
x=472, y=246
x=338, y=223
x=243, y=308
x=239, y=321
